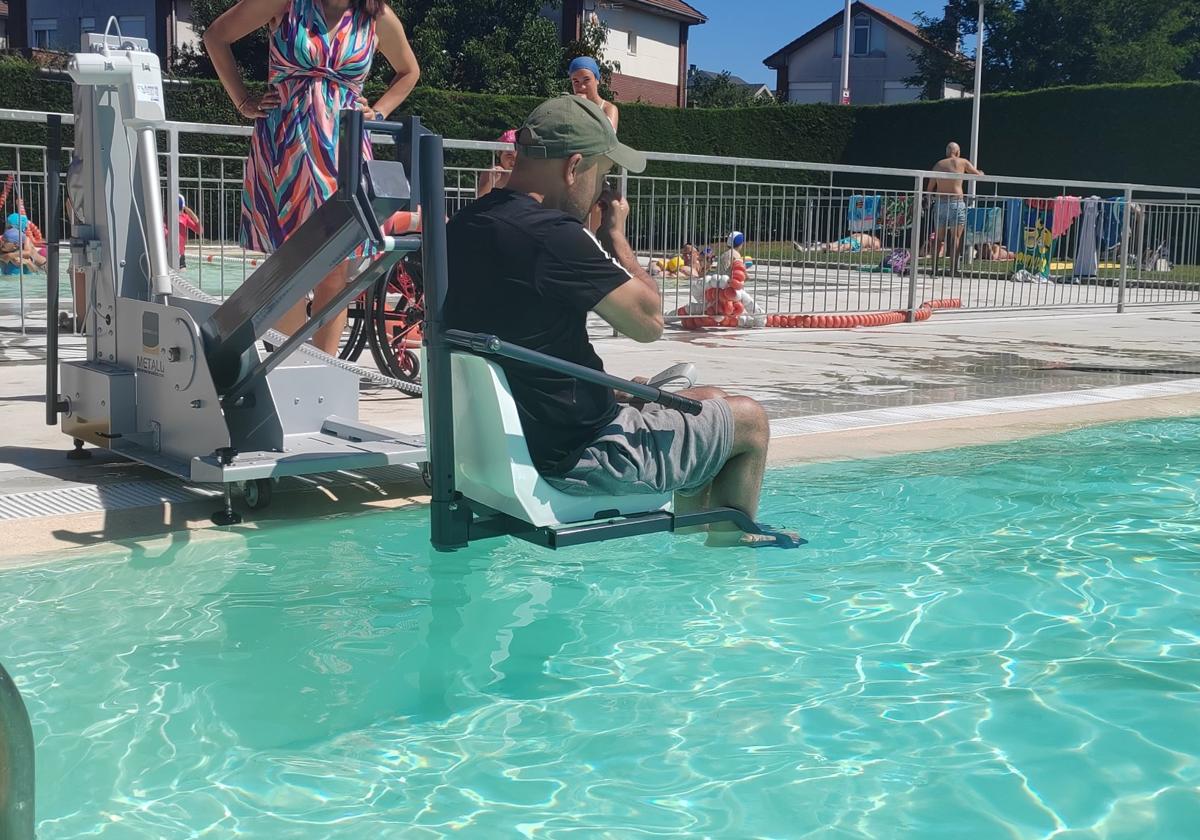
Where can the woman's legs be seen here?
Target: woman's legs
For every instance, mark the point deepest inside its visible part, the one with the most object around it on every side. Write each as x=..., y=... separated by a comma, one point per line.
x=329, y=336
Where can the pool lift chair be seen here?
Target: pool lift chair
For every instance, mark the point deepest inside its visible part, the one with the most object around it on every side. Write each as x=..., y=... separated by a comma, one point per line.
x=482, y=477
x=175, y=379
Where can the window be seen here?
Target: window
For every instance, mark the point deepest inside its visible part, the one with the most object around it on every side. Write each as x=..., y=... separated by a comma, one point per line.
x=3, y=33
x=633, y=43
x=862, y=35
x=865, y=39
x=44, y=33
x=87, y=24
x=132, y=26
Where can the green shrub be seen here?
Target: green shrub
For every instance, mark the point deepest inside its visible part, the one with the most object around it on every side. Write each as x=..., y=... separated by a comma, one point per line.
x=1127, y=133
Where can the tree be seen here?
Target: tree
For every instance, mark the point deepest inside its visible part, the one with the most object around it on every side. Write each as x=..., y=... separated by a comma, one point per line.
x=594, y=37
x=251, y=53
x=488, y=46
x=940, y=64
x=720, y=91
x=1034, y=44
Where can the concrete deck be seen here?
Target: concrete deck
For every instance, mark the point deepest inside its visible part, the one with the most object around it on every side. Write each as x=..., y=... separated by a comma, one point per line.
x=950, y=381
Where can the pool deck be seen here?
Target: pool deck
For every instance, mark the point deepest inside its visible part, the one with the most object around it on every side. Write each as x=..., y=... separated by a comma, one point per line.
x=954, y=380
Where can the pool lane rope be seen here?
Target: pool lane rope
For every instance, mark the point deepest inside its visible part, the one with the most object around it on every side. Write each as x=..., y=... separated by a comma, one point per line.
x=721, y=300
x=863, y=319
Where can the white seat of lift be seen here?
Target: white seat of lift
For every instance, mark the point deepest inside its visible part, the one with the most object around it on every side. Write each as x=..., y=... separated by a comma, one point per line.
x=492, y=462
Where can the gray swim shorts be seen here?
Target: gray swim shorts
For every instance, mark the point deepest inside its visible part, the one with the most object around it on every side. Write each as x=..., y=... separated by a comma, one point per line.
x=949, y=211
x=653, y=450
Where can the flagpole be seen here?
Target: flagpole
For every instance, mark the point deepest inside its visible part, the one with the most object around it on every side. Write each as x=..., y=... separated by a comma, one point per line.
x=845, y=98
x=978, y=94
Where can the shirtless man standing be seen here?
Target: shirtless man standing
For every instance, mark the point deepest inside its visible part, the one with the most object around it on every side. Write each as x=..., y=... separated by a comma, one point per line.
x=949, y=206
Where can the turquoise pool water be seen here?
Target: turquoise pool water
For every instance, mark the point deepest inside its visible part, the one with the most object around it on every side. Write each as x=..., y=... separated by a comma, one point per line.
x=997, y=642
x=219, y=275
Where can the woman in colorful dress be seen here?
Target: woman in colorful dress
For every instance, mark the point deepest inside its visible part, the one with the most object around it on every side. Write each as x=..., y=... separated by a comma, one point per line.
x=320, y=55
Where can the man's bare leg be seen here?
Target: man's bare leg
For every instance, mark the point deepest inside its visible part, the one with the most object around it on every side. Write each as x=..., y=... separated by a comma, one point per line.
x=739, y=483
x=939, y=247
x=956, y=245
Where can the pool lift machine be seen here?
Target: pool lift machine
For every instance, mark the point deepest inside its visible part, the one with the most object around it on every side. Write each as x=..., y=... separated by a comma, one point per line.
x=180, y=382
x=174, y=379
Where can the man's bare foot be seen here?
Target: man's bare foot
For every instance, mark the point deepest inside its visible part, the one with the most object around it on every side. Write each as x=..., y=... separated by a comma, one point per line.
x=739, y=539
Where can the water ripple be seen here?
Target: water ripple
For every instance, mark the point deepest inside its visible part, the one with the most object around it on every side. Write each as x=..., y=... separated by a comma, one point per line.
x=996, y=642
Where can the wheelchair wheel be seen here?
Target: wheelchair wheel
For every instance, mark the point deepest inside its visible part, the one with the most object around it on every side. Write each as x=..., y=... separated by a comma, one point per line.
x=354, y=338
x=396, y=311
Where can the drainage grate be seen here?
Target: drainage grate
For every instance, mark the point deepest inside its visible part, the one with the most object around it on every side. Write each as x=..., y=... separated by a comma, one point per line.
x=99, y=497
x=86, y=498
x=877, y=417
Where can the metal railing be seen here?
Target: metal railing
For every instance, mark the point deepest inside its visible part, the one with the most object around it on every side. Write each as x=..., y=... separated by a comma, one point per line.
x=820, y=238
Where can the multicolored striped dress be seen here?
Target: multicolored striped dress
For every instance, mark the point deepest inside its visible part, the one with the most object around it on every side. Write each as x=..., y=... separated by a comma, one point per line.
x=318, y=69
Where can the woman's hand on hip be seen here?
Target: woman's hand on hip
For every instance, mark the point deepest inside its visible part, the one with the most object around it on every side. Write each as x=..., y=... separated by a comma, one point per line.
x=255, y=106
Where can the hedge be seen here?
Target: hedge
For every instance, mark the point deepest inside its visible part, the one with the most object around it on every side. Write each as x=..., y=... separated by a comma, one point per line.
x=1136, y=133
x=1144, y=134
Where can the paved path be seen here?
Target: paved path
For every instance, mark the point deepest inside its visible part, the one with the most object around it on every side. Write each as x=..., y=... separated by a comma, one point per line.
x=796, y=373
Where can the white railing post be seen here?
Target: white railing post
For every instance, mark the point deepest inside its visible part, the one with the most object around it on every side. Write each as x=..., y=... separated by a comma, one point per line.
x=915, y=260
x=1125, y=225
x=172, y=203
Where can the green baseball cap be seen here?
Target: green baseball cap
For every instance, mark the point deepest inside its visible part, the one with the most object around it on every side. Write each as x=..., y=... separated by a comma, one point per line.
x=567, y=125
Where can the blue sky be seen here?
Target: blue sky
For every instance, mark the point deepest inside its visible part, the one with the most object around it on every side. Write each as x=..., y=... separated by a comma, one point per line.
x=741, y=33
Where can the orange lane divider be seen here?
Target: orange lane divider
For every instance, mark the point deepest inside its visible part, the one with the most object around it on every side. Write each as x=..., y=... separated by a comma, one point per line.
x=862, y=319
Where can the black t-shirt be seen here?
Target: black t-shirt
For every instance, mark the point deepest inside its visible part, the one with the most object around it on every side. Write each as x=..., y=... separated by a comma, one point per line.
x=530, y=275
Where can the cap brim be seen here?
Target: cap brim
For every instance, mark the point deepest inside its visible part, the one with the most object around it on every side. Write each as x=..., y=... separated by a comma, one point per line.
x=631, y=159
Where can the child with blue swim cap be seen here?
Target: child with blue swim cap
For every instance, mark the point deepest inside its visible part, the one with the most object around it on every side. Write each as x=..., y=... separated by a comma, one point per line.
x=584, y=73
x=17, y=251
x=735, y=240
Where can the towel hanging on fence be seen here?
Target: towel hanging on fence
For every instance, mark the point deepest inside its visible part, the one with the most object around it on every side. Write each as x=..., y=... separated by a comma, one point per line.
x=985, y=225
x=1087, y=255
x=1066, y=211
x=863, y=213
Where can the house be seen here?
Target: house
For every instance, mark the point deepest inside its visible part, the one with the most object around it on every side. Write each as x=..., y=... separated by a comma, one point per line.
x=809, y=69
x=756, y=90
x=58, y=25
x=7, y=21
x=647, y=39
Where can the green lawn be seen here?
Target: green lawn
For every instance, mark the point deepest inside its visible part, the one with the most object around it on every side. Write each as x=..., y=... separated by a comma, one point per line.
x=784, y=252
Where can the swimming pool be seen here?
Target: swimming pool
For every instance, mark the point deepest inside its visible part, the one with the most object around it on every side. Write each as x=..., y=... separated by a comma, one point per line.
x=995, y=642
x=215, y=273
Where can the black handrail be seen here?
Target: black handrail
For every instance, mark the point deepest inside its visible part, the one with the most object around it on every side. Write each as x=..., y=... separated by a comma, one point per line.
x=489, y=345
x=16, y=763
x=53, y=234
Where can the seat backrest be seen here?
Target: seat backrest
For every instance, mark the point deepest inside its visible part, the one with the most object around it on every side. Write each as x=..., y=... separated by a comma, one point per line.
x=493, y=465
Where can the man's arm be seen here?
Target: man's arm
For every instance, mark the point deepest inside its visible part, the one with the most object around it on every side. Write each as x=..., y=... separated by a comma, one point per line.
x=635, y=307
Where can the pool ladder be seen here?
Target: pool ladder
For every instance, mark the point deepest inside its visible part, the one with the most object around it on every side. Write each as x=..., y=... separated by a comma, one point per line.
x=16, y=763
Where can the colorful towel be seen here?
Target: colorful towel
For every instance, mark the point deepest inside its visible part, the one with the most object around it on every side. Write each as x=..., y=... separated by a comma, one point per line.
x=863, y=213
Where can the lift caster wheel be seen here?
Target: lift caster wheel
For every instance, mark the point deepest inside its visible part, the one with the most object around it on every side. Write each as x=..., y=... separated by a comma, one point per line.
x=257, y=493
x=227, y=517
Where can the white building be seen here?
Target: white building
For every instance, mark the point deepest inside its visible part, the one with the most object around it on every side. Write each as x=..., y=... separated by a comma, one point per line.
x=809, y=69
x=647, y=38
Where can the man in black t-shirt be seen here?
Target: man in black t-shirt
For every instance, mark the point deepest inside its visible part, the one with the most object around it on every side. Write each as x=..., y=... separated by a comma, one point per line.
x=523, y=267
